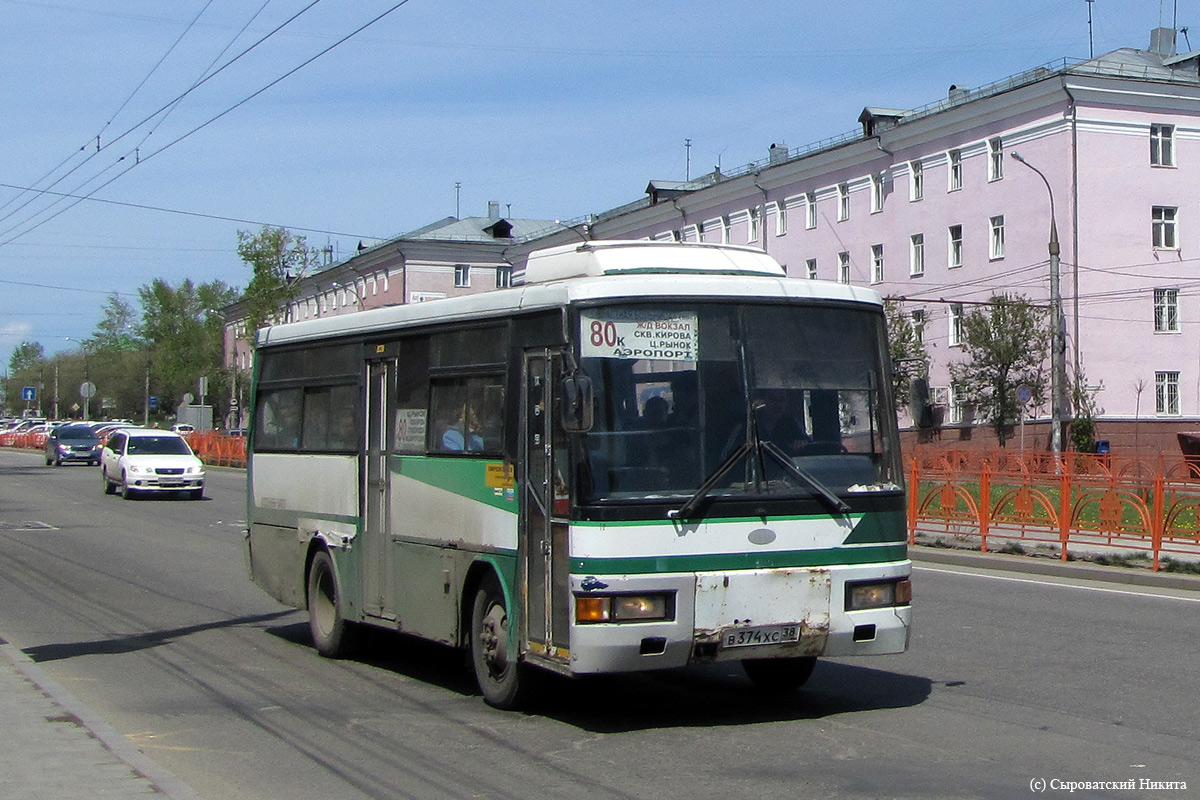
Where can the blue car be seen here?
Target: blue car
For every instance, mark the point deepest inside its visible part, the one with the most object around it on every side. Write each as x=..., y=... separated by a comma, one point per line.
x=72, y=443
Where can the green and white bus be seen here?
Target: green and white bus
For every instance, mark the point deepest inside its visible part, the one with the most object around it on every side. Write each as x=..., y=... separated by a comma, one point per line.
x=646, y=455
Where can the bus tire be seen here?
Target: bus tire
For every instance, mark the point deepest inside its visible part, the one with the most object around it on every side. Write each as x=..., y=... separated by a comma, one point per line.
x=779, y=675
x=496, y=669
x=332, y=635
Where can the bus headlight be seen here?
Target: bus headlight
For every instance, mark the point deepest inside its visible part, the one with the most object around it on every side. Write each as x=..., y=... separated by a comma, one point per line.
x=624, y=608
x=878, y=594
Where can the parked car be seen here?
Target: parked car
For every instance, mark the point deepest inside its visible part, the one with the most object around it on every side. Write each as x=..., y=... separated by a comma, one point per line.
x=183, y=427
x=144, y=460
x=67, y=443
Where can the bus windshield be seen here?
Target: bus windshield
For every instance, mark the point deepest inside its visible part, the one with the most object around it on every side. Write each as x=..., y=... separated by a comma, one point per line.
x=707, y=401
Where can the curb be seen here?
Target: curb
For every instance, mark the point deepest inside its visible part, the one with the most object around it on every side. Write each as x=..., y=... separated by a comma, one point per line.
x=1046, y=566
x=159, y=777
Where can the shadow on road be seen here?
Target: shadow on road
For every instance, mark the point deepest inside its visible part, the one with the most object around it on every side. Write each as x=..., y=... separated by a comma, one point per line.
x=700, y=696
x=139, y=641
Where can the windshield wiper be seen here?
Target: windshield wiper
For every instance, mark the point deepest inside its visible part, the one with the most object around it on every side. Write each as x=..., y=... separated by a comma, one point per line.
x=820, y=489
x=689, y=508
x=755, y=444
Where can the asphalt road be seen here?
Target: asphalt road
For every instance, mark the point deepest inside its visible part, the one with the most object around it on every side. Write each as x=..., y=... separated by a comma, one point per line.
x=143, y=611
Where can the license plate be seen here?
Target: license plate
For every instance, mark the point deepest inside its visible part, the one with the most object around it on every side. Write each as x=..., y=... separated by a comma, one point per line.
x=751, y=637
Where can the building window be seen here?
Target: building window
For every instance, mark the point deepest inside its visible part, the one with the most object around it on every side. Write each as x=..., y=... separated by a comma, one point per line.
x=810, y=266
x=843, y=191
x=781, y=220
x=726, y=232
x=1162, y=145
x=752, y=217
x=877, y=193
x=956, y=404
x=503, y=277
x=1166, y=311
x=462, y=276
x=916, y=254
x=918, y=325
x=996, y=240
x=1166, y=393
x=916, y=184
x=876, y=263
x=955, y=170
x=843, y=267
x=810, y=210
x=995, y=159
x=956, y=323
x=955, y=253
x=1165, y=228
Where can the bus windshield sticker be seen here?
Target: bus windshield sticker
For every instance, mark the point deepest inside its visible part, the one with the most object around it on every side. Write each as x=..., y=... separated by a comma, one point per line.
x=634, y=334
x=410, y=429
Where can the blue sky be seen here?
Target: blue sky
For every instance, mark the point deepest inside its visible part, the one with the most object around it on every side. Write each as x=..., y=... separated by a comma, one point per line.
x=554, y=109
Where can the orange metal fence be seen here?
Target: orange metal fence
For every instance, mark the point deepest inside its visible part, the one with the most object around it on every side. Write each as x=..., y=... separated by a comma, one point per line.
x=1084, y=503
x=216, y=449
x=219, y=449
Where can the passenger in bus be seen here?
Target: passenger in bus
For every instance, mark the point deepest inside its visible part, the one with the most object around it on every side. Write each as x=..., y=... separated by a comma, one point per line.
x=826, y=424
x=463, y=434
x=777, y=424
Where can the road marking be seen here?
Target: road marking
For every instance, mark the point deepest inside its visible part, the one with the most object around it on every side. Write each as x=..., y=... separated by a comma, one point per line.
x=1060, y=585
x=26, y=526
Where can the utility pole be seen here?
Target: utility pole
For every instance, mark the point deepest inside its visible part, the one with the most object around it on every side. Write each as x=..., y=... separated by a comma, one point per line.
x=1058, y=340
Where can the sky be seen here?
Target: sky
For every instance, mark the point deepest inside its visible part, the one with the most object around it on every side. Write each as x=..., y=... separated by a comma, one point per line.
x=138, y=137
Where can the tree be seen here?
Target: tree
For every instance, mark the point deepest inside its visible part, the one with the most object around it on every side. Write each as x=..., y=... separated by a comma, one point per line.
x=186, y=336
x=1083, y=423
x=277, y=260
x=907, y=350
x=1004, y=345
x=26, y=355
x=116, y=331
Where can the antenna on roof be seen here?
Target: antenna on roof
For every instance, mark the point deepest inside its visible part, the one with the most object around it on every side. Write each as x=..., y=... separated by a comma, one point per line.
x=687, y=149
x=1091, y=49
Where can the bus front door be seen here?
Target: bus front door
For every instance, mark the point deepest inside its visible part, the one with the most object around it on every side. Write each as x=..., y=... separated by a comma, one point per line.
x=544, y=503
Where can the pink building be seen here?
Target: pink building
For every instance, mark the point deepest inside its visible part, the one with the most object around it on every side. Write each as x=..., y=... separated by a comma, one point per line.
x=929, y=205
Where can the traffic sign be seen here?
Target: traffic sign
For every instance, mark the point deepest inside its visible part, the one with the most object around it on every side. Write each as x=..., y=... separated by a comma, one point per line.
x=29, y=393
x=1024, y=394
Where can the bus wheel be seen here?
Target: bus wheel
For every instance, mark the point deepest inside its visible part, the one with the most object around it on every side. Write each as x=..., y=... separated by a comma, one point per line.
x=496, y=671
x=779, y=675
x=332, y=634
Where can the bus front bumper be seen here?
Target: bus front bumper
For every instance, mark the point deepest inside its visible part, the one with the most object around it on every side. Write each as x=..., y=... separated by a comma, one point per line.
x=731, y=616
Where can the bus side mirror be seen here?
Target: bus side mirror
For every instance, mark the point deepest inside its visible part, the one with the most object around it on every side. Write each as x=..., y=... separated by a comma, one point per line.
x=577, y=403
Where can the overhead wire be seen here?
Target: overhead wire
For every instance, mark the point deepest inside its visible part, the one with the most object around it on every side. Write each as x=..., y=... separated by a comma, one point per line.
x=164, y=110
x=210, y=121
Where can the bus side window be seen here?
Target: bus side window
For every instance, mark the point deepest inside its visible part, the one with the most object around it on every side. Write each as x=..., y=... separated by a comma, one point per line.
x=412, y=395
x=467, y=415
x=278, y=423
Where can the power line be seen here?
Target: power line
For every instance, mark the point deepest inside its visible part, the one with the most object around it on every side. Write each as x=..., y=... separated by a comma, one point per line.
x=163, y=110
x=198, y=214
x=213, y=119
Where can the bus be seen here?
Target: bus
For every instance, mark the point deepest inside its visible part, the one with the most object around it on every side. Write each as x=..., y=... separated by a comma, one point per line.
x=644, y=455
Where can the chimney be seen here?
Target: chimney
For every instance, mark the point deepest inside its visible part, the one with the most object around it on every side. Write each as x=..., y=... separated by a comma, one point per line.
x=958, y=93
x=493, y=209
x=1162, y=42
x=778, y=153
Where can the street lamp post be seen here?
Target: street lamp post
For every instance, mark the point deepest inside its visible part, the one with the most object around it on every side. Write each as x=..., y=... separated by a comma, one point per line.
x=1058, y=342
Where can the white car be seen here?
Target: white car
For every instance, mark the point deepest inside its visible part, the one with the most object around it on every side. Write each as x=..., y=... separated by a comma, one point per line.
x=146, y=460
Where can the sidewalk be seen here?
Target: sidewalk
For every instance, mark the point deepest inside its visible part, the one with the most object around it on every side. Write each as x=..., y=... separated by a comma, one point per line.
x=1038, y=565
x=55, y=747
